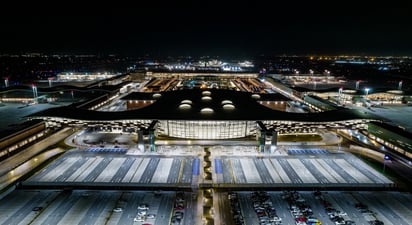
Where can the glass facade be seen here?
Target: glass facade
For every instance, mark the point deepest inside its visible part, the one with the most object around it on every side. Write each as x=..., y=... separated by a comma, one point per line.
x=207, y=129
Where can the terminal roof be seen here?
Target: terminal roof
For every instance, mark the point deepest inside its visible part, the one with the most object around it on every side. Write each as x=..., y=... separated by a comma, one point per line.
x=203, y=104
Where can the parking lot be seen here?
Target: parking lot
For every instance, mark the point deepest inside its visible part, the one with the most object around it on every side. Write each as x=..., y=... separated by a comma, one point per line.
x=94, y=207
x=181, y=167
x=328, y=208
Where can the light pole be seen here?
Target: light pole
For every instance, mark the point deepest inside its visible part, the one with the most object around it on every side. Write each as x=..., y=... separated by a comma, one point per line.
x=34, y=91
x=311, y=76
x=367, y=92
x=327, y=72
x=50, y=81
x=385, y=158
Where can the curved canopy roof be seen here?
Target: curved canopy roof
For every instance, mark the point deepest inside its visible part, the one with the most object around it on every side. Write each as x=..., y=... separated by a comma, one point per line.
x=167, y=107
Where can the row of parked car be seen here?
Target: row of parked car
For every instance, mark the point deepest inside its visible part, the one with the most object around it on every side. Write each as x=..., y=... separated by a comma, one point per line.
x=235, y=208
x=142, y=213
x=338, y=217
x=179, y=209
x=299, y=209
x=263, y=206
x=369, y=215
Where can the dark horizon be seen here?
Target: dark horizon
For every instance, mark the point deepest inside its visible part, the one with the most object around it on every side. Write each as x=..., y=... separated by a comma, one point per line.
x=194, y=30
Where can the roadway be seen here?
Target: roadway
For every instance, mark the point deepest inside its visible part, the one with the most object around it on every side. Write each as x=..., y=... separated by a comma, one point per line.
x=16, y=166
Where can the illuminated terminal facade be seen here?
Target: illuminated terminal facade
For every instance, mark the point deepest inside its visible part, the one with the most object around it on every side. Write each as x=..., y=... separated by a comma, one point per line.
x=70, y=76
x=242, y=108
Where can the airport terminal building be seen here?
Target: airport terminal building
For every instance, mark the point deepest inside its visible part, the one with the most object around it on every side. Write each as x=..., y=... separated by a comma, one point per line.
x=206, y=114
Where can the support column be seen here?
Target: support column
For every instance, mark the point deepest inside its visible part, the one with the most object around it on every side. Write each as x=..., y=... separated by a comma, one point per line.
x=152, y=140
x=140, y=140
x=261, y=136
x=274, y=141
x=262, y=141
x=151, y=135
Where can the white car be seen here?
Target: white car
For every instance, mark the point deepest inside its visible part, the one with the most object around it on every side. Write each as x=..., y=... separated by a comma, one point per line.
x=143, y=206
x=142, y=212
x=151, y=216
x=118, y=209
x=139, y=219
x=276, y=219
x=342, y=213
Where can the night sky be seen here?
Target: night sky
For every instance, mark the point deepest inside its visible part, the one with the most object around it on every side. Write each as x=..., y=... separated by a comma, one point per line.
x=237, y=29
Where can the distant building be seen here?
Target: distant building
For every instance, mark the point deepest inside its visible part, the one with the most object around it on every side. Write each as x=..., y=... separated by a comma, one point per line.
x=84, y=76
